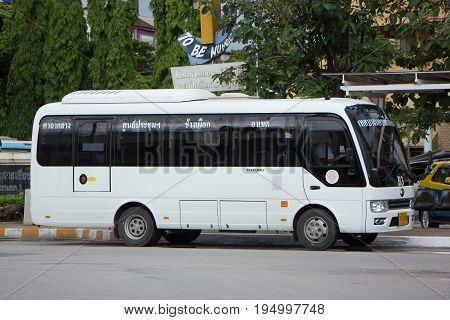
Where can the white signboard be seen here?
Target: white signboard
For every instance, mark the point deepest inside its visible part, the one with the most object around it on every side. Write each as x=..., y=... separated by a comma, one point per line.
x=200, y=77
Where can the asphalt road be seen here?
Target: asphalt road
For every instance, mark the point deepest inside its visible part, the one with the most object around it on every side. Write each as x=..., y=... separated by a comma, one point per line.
x=220, y=267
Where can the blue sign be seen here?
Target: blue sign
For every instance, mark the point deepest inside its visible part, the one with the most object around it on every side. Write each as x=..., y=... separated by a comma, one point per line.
x=5, y=1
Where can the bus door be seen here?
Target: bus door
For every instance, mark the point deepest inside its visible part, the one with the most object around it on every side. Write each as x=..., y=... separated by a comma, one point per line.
x=333, y=176
x=92, y=167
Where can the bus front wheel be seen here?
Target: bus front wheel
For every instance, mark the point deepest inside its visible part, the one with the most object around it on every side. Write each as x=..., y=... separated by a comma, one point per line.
x=181, y=236
x=137, y=228
x=316, y=229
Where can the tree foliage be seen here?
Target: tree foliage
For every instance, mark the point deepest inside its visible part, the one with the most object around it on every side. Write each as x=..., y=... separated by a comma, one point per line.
x=144, y=54
x=289, y=45
x=65, y=52
x=45, y=54
x=112, y=65
x=25, y=91
x=172, y=19
x=294, y=42
x=425, y=24
x=6, y=52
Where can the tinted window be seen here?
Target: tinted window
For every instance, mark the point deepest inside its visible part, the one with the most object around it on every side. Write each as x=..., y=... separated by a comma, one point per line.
x=140, y=141
x=197, y=141
x=93, y=143
x=329, y=147
x=55, y=141
x=440, y=175
x=264, y=140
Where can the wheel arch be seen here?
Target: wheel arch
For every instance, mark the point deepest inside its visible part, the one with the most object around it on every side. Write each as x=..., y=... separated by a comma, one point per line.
x=125, y=206
x=307, y=208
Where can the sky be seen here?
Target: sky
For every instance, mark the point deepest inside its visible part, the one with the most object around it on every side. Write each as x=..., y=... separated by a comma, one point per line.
x=143, y=8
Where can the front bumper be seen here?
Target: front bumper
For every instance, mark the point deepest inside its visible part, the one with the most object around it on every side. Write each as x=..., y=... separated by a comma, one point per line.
x=391, y=221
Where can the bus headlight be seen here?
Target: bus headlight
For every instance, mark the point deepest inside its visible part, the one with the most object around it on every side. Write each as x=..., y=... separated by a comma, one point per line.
x=379, y=206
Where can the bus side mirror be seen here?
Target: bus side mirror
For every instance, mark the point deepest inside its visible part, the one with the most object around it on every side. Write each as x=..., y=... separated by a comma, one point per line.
x=349, y=156
x=447, y=180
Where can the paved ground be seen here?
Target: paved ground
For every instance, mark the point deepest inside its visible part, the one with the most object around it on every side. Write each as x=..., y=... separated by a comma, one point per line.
x=220, y=266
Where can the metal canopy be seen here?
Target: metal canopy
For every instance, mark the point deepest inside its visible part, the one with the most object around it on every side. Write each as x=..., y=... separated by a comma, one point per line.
x=378, y=84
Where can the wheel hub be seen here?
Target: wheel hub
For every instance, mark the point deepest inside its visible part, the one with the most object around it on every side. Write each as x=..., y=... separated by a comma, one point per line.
x=135, y=227
x=425, y=219
x=316, y=229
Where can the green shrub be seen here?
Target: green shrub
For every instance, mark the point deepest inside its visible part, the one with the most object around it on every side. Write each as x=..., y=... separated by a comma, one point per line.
x=5, y=201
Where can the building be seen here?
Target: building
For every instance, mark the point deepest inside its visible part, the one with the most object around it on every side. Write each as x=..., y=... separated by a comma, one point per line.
x=144, y=30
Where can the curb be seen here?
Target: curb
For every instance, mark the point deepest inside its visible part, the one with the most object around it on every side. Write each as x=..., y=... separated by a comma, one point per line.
x=416, y=241
x=57, y=233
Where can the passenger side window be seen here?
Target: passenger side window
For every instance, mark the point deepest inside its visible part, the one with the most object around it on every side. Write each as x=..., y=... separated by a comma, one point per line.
x=265, y=141
x=93, y=143
x=140, y=141
x=197, y=140
x=330, y=150
x=54, y=146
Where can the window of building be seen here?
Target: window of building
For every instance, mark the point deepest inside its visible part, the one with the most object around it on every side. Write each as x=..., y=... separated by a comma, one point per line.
x=146, y=38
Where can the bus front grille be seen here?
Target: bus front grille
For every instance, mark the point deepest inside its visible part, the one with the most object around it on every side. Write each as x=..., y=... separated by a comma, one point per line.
x=399, y=204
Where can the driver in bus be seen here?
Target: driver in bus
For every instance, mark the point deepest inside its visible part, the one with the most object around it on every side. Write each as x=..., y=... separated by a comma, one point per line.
x=324, y=154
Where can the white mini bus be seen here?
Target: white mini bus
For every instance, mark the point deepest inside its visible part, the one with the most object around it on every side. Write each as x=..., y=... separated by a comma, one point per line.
x=173, y=163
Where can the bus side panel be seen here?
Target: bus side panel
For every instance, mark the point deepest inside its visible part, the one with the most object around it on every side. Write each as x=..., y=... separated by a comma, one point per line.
x=51, y=191
x=161, y=189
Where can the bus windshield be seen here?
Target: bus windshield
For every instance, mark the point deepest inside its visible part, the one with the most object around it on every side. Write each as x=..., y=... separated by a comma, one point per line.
x=382, y=148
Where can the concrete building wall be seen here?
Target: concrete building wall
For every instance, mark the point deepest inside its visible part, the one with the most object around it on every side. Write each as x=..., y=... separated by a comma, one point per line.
x=443, y=137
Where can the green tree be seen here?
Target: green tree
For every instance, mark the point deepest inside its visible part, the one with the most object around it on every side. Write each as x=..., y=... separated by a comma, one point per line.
x=172, y=19
x=112, y=65
x=25, y=90
x=289, y=44
x=120, y=61
x=425, y=25
x=6, y=53
x=65, y=50
x=98, y=19
x=144, y=54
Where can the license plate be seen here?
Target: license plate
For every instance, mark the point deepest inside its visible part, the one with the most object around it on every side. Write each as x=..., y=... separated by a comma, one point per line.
x=403, y=219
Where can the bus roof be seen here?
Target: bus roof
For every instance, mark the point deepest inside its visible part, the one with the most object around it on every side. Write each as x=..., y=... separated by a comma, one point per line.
x=184, y=101
x=136, y=96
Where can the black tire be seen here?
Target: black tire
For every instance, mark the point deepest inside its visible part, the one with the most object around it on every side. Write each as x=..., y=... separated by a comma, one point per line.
x=359, y=240
x=137, y=228
x=181, y=236
x=317, y=230
x=434, y=225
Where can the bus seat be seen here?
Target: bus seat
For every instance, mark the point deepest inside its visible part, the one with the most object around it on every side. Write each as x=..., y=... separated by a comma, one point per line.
x=445, y=201
x=424, y=199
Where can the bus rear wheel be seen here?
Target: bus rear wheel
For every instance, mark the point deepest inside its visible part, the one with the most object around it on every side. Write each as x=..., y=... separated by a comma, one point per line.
x=316, y=229
x=359, y=240
x=181, y=236
x=137, y=228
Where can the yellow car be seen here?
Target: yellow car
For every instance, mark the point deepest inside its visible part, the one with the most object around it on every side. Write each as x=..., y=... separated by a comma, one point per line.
x=433, y=197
